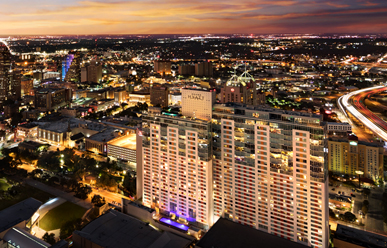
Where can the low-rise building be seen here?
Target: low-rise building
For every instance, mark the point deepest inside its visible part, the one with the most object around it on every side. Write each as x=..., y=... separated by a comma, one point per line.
x=348, y=237
x=115, y=229
x=135, y=97
x=98, y=142
x=102, y=105
x=29, y=130
x=123, y=148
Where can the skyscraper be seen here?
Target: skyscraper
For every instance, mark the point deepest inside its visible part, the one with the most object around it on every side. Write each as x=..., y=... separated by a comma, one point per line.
x=5, y=67
x=242, y=89
x=270, y=172
x=264, y=168
x=204, y=69
x=71, y=67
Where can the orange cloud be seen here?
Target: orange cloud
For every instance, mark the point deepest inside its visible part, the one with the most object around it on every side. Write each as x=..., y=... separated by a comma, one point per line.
x=337, y=5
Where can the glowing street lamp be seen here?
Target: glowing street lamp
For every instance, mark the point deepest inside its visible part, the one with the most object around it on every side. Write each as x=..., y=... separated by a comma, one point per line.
x=359, y=173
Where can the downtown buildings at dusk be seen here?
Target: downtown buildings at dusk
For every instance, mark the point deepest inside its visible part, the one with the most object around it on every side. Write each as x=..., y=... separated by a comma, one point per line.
x=226, y=124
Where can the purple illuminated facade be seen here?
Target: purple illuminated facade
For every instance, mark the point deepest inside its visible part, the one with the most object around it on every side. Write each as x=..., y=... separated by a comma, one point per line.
x=174, y=224
x=66, y=63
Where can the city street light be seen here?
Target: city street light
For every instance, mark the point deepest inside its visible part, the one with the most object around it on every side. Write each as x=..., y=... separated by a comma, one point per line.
x=359, y=173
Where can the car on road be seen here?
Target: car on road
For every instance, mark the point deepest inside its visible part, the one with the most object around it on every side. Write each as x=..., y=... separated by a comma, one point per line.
x=353, y=195
x=333, y=189
x=339, y=192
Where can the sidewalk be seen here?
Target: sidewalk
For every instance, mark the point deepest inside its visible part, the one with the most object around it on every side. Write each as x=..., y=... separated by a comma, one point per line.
x=67, y=196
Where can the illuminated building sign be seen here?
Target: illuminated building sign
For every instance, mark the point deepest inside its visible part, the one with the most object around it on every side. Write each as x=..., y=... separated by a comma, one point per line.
x=195, y=96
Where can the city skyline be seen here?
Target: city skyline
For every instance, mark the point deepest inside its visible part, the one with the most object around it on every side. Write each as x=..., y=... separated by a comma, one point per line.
x=42, y=17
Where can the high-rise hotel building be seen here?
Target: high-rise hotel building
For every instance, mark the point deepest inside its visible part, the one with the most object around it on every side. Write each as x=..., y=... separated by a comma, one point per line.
x=261, y=167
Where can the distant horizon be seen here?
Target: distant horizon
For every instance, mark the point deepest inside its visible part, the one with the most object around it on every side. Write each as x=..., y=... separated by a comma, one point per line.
x=120, y=17
x=198, y=34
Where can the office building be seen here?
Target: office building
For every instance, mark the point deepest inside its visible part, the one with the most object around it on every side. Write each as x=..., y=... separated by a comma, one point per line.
x=163, y=67
x=14, y=90
x=261, y=98
x=26, y=86
x=92, y=73
x=242, y=89
x=187, y=69
x=348, y=155
x=71, y=67
x=159, y=95
x=5, y=67
x=260, y=167
x=204, y=69
x=48, y=99
x=66, y=63
x=197, y=102
x=83, y=74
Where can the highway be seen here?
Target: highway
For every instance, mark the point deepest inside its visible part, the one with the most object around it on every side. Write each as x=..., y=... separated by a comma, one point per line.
x=353, y=103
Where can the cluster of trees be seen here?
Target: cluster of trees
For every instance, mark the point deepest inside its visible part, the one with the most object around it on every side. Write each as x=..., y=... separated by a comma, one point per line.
x=81, y=190
x=98, y=200
x=129, y=184
x=139, y=107
x=104, y=180
x=347, y=216
x=12, y=192
x=49, y=238
x=69, y=227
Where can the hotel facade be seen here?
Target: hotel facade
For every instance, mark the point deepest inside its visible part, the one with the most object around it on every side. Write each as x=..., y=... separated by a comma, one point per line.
x=260, y=167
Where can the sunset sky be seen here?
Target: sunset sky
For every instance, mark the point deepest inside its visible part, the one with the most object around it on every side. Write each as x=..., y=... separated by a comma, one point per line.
x=20, y=17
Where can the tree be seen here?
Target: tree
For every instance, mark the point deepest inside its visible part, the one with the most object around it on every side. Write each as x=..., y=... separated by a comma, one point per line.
x=332, y=214
x=67, y=229
x=130, y=184
x=364, y=209
x=82, y=191
x=36, y=172
x=49, y=238
x=98, y=201
x=49, y=161
x=349, y=216
x=366, y=192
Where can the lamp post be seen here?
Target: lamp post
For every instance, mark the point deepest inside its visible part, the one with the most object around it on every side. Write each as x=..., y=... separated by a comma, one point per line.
x=359, y=173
